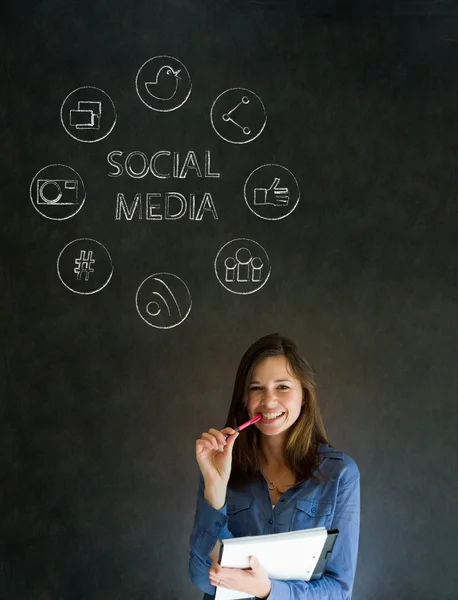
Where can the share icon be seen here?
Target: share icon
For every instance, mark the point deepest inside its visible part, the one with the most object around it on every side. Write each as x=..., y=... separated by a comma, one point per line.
x=227, y=116
x=238, y=115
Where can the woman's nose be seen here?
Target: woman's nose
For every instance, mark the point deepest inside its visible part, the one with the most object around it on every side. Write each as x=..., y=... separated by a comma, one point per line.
x=270, y=397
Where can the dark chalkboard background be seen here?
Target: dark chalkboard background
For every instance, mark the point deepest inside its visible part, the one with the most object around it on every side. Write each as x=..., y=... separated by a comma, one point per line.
x=100, y=411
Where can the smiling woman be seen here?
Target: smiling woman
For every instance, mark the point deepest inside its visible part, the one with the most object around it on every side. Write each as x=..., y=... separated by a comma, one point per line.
x=280, y=474
x=273, y=378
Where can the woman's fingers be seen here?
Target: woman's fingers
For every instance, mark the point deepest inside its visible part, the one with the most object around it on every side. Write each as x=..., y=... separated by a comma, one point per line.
x=215, y=442
x=214, y=439
x=219, y=436
x=228, y=431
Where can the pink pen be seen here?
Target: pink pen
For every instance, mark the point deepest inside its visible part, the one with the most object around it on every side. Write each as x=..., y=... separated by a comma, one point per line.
x=250, y=422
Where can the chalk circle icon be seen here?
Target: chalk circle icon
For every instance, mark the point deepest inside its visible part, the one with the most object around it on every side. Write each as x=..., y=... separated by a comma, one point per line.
x=242, y=266
x=84, y=266
x=57, y=192
x=88, y=114
x=163, y=83
x=163, y=300
x=238, y=115
x=271, y=192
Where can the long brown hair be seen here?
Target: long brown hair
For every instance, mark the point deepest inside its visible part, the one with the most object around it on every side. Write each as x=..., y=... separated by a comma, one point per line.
x=302, y=438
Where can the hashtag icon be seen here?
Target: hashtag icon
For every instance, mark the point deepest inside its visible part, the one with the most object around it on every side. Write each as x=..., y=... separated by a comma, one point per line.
x=83, y=265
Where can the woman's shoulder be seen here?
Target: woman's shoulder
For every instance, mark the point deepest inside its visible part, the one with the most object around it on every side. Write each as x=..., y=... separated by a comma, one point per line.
x=338, y=461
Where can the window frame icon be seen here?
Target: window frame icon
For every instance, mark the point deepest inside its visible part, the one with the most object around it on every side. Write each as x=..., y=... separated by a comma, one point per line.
x=81, y=114
x=93, y=117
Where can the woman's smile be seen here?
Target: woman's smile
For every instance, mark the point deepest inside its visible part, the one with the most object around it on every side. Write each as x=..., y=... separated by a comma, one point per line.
x=271, y=421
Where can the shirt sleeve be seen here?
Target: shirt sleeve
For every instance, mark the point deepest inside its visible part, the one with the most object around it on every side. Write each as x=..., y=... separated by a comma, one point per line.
x=209, y=526
x=336, y=583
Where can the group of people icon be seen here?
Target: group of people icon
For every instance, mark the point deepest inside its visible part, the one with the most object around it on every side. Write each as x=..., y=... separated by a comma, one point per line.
x=243, y=267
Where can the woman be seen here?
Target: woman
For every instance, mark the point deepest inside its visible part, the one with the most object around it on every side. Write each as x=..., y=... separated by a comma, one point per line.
x=280, y=475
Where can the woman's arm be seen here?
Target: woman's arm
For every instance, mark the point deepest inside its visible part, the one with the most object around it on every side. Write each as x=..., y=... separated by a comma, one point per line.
x=210, y=526
x=214, y=554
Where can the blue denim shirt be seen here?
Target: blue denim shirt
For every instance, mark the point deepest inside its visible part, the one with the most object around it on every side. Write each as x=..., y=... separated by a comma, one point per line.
x=332, y=504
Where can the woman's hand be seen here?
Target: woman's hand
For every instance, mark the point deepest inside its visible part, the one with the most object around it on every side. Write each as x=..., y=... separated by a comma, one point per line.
x=254, y=580
x=214, y=455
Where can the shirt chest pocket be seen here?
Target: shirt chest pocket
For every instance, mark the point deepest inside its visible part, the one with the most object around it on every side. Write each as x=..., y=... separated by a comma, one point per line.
x=310, y=513
x=239, y=513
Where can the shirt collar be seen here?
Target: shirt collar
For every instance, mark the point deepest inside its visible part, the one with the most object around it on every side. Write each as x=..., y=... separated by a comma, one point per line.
x=329, y=451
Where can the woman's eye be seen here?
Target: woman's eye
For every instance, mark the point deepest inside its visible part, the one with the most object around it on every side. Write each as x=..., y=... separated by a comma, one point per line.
x=282, y=386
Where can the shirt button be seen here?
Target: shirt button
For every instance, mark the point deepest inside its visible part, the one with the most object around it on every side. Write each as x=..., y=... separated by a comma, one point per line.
x=313, y=510
x=270, y=521
x=218, y=524
x=282, y=500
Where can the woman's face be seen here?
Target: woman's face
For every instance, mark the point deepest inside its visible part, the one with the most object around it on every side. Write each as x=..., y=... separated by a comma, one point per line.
x=272, y=390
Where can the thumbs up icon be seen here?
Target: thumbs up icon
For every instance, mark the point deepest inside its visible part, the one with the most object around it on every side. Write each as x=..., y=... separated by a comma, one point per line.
x=271, y=192
x=274, y=195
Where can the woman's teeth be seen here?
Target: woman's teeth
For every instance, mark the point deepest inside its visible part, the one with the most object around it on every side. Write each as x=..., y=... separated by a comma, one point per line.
x=271, y=416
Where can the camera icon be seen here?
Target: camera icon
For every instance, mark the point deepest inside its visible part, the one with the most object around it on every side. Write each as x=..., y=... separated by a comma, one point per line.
x=57, y=191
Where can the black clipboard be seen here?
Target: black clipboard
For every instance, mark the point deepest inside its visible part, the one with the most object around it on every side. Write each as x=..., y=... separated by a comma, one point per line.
x=325, y=554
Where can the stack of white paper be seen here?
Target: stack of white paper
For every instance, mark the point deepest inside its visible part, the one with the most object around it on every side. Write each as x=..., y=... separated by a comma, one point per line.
x=289, y=555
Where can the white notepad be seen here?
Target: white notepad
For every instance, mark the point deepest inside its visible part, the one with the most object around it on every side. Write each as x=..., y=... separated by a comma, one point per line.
x=289, y=555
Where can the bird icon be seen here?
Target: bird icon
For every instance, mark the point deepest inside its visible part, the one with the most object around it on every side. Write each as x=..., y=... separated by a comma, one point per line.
x=166, y=84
